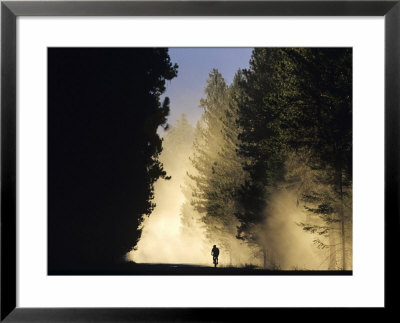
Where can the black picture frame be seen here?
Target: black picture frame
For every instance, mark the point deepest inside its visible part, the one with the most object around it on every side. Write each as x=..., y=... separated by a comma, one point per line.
x=10, y=10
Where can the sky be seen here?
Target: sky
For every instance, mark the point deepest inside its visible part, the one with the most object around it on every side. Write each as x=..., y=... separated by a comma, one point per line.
x=186, y=90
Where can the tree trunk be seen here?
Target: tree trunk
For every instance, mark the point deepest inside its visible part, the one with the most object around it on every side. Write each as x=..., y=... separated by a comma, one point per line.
x=332, y=250
x=342, y=223
x=343, y=245
x=265, y=257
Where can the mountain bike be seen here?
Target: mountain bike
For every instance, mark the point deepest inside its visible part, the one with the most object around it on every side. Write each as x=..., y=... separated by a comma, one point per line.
x=215, y=261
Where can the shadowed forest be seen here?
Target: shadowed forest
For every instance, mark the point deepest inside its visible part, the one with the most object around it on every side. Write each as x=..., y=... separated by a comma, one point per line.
x=265, y=173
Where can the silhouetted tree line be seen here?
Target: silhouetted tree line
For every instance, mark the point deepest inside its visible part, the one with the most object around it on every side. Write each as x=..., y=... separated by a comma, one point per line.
x=104, y=108
x=291, y=107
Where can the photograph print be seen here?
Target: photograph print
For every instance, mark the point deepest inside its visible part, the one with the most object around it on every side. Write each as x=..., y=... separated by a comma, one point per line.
x=200, y=161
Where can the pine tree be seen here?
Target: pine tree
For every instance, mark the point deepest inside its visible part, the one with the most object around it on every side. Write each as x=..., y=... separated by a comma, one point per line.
x=262, y=144
x=217, y=167
x=105, y=108
x=296, y=100
x=324, y=99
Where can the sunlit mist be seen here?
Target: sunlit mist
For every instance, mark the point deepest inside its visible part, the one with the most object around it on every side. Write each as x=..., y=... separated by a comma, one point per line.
x=288, y=246
x=164, y=239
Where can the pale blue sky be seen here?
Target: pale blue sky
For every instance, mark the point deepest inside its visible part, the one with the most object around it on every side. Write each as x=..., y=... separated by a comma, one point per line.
x=187, y=88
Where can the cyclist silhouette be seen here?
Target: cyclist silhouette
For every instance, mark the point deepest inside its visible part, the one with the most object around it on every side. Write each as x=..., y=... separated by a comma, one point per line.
x=214, y=254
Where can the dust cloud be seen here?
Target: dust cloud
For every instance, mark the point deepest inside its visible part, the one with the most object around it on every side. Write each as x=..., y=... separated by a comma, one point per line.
x=288, y=246
x=164, y=239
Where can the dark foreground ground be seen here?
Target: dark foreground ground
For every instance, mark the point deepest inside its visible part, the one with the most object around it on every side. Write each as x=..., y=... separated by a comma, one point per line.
x=181, y=269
